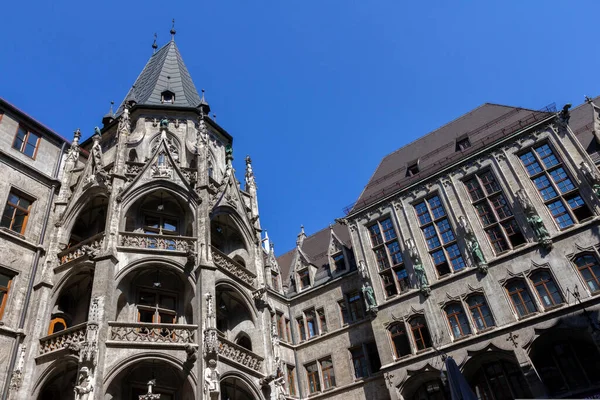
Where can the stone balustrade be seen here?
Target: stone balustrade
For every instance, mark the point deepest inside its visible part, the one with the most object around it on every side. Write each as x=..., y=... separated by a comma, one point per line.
x=157, y=242
x=88, y=247
x=142, y=332
x=225, y=263
x=239, y=354
x=66, y=338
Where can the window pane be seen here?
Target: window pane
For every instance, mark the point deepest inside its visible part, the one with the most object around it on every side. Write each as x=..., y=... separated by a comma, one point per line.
x=395, y=253
x=4, y=279
x=558, y=211
x=422, y=213
x=547, y=156
x=485, y=213
x=19, y=139
x=388, y=229
x=436, y=207
x=474, y=189
x=455, y=258
x=530, y=163
x=7, y=216
x=562, y=180
x=545, y=188
x=431, y=237
x=445, y=230
x=489, y=183
x=501, y=206
x=375, y=233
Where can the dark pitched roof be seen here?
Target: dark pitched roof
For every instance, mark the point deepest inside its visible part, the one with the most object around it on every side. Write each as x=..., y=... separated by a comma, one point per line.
x=483, y=125
x=165, y=70
x=316, y=247
x=582, y=124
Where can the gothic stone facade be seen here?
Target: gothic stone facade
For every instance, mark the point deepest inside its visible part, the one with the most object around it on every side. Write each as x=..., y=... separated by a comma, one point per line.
x=134, y=264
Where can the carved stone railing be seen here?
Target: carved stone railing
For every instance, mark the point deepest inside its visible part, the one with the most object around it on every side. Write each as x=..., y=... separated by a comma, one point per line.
x=141, y=332
x=158, y=242
x=224, y=262
x=63, y=339
x=238, y=354
x=87, y=247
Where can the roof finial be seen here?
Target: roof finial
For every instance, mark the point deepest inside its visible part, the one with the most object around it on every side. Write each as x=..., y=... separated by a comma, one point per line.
x=154, y=45
x=173, y=31
x=111, y=112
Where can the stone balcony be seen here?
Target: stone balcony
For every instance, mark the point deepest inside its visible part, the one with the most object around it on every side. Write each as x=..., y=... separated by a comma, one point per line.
x=230, y=267
x=131, y=333
x=146, y=241
x=68, y=338
x=88, y=247
x=240, y=355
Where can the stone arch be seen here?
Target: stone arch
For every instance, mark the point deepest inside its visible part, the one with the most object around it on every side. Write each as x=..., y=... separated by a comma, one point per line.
x=235, y=314
x=149, y=363
x=71, y=299
x=232, y=380
x=71, y=216
x=64, y=368
x=231, y=235
x=242, y=339
x=425, y=381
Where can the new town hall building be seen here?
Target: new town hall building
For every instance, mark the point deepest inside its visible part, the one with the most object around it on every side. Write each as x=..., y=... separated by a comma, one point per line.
x=133, y=265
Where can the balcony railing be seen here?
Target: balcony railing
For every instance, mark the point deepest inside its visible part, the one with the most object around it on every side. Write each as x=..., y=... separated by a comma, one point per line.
x=228, y=265
x=238, y=354
x=157, y=242
x=63, y=339
x=141, y=332
x=87, y=247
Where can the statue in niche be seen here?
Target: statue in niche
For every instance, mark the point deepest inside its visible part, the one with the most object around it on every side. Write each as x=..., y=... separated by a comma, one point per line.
x=84, y=385
x=419, y=270
x=369, y=295
x=592, y=177
x=473, y=245
x=534, y=220
x=211, y=379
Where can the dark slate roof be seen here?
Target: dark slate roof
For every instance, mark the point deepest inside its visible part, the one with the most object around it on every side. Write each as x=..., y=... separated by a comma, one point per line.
x=316, y=248
x=483, y=126
x=582, y=124
x=165, y=70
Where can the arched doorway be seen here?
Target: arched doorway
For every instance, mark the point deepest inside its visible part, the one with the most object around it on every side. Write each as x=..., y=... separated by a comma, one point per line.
x=61, y=383
x=73, y=302
x=567, y=361
x=495, y=375
x=233, y=388
x=425, y=386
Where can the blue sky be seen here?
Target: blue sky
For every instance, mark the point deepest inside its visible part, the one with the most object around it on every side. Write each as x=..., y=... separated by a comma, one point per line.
x=317, y=92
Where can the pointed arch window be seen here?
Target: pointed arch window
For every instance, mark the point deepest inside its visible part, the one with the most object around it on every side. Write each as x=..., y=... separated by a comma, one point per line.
x=457, y=319
x=547, y=291
x=420, y=332
x=589, y=269
x=482, y=317
x=521, y=297
x=399, y=339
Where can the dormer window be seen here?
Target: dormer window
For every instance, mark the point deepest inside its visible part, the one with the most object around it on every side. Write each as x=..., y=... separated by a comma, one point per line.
x=340, y=263
x=304, y=279
x=167, y=97
x=412, y=169
x=463, y=143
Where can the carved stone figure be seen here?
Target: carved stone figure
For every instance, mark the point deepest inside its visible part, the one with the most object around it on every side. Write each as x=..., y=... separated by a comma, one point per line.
x=98, y=173
x=473, y=245
x=419, y=270
x=369, y=295
x=84, y=385
x=211, y=379
x=565, y=114
x=362, y=269
x=534, y=220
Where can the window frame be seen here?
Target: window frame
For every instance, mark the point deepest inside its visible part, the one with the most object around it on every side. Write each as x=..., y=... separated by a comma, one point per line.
x=364, y=364
x=478, y=307
x=404, y=331
x=420, y=330
x=304, y=272
x=156, y=309
x=356, y=308
x=328, y=383
x=313, y=377
x=596, y=279
x=291, y=379
x=525, y=288
x=551, y=279
x=21, y=196
x=6, y=291
x=25, y=142
x=456, y=317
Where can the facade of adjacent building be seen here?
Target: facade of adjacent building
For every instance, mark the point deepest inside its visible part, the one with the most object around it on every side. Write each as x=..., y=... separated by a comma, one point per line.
x=134, y=264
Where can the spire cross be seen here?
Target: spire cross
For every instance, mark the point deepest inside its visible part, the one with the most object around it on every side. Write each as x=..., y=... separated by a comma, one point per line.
x=173, y=31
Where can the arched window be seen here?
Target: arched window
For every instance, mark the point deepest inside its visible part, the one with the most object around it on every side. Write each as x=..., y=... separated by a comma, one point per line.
x=520, y=297
x=420, y=333
x=459, y=324
x=482, y=317
x=244, y=341
x=590, y=271
x=546, y=288
x=133, y=157
x=399, y=340
x=430, y=390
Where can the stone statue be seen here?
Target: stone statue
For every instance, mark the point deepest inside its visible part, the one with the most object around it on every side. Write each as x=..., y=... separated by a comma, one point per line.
x=419, y=270
x=164, y=123
x=84, y=386
x=211, y=379
x=473, y=245
x=564, y=114
x=98, y=172
x=534, y=220
x=592, y=177
x=362, y=269
x=369, y=295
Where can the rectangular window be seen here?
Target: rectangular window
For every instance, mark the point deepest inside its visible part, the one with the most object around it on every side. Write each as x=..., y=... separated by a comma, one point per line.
x=301, y=330
x=388, y=255
x=304, y=279
x=360, y=363
x=5, y=281
x=16, y=212
x=439, y=236
x=288, y=330
x=356, y=306
x=280, y=326
x=463, y=144
x=494, y=212
x=340, y=263
x=554, y=184
x=327, y=372
x=311, y=323
x=291, y=380
x=343, y=312
x=373, y=356
x=26, y=142
x=322, y=320
x=274, y=281
x=312, y=372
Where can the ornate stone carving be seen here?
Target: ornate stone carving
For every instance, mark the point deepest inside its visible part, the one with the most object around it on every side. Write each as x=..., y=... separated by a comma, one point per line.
x=89, y=247
x=63, y=339
x=418, y=267
x=150, y=395
x=535, y=221
x=191, y=353
x=16, y=379
x=98, y=174
x=230, y=266
x=211, y=380
x=211, y=342
x=157, y=242
x=369, y=295
x=152, y=333
x=473, y=245
x=591, y=175
x=84, y=387
x=240, y=355
x=362, y=269
x=162, y=167
x=565, y=115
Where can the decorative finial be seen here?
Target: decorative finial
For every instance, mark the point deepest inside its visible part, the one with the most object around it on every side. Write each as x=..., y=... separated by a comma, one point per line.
x=154, y=45
x=173, y=31
x=248, y=160
x=301, y=237
x=111, y=112
x=76, y=136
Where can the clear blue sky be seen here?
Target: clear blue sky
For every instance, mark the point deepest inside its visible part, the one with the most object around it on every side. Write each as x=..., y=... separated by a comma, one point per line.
x=317, y=92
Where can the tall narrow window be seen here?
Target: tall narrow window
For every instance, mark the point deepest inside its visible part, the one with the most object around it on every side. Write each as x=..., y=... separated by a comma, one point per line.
x=288, y=330
x=291, y=380
x=560, y=195
x=311, y=323
x=459, y=324
x=16, y=212
x=280, y=326
x=359, y=362
x=328, y=375
x=590, y=271
x=339, y=262
x=343, y=312
x=439, y=236
x=399, y=340
x=520, y=297
x=389, y=257
x=373, y=356
x=304, y=279
x=312, y=372
x=356, y=306
x=274, y=280
x=26, y=142
x=301, y=330
x=322, y=320
x=420, y=333
x=5, y=281
x=482, y=317
x=547, y=290
x=494, y=212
